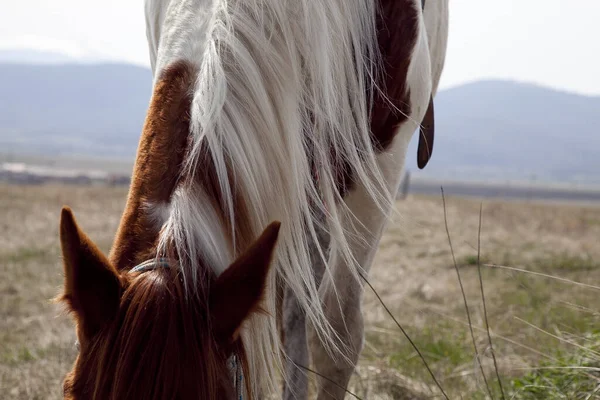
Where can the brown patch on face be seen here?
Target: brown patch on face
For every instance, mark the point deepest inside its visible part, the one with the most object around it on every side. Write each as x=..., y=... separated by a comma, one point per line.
x=161, y=152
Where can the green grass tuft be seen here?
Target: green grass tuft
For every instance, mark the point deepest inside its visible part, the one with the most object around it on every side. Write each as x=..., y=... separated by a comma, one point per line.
x=573, y=375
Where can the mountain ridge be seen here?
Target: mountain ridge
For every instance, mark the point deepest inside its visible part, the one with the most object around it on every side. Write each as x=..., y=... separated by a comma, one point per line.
x=491, y=129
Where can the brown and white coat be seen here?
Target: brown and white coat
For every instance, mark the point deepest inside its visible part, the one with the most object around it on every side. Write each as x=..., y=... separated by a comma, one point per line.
x=297, y=111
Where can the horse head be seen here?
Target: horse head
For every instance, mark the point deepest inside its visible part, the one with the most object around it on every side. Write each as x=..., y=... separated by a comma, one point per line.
x=142, y=335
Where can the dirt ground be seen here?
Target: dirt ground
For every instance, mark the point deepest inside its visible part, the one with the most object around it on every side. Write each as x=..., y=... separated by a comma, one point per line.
x=413, y=273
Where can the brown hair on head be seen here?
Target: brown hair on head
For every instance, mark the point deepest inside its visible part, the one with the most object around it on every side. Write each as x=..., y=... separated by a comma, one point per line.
x=159, y=346
x=143, y=337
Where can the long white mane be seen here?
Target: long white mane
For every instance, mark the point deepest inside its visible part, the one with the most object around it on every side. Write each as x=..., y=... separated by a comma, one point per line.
x=283, y=85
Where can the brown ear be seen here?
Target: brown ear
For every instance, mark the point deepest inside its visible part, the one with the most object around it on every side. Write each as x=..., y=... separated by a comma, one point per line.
x=92, y=287
x=239, y=289
x=426, y=136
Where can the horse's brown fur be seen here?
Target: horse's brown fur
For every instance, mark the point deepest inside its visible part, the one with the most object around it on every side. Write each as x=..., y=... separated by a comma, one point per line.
x=92, y=292
x=161, y=152
x=159, y=345
x=397, y=25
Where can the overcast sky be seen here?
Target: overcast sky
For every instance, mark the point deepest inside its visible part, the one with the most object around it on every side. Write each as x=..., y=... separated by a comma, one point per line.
x=550, y=42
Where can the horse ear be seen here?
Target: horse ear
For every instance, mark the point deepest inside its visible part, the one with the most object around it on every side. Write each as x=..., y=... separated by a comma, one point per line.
x=426, y=136
x=238, y=291
x=92, y=287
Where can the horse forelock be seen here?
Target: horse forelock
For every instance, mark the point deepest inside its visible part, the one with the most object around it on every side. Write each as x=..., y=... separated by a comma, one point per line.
x=159, y=346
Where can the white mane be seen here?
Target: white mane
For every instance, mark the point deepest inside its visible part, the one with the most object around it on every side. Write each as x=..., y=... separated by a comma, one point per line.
x=282, y=84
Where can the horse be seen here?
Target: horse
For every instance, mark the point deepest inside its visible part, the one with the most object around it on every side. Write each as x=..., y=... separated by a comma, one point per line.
x=266, y=171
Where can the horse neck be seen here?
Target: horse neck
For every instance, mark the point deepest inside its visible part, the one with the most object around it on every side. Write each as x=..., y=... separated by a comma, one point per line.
x=136, y=236
x=157, y=172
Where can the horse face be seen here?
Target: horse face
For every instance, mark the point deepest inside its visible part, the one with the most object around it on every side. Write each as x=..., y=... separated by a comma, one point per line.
x=142, y=335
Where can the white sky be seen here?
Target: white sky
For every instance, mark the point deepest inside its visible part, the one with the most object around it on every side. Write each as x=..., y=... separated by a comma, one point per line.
x=555, y=43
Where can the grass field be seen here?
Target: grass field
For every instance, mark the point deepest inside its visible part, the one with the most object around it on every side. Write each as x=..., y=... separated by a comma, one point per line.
x=545, y=332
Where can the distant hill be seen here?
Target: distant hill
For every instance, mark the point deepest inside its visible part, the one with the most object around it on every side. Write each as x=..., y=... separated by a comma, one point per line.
x=86, y=109
x=496, y=130
x=505, y=130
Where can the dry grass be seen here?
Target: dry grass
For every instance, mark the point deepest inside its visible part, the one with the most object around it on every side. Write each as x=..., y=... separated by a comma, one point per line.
x=36, y=339
x=413, y=272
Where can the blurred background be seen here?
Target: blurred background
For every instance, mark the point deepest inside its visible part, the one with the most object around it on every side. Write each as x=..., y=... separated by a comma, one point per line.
x=519, y=100
x=517, y=118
